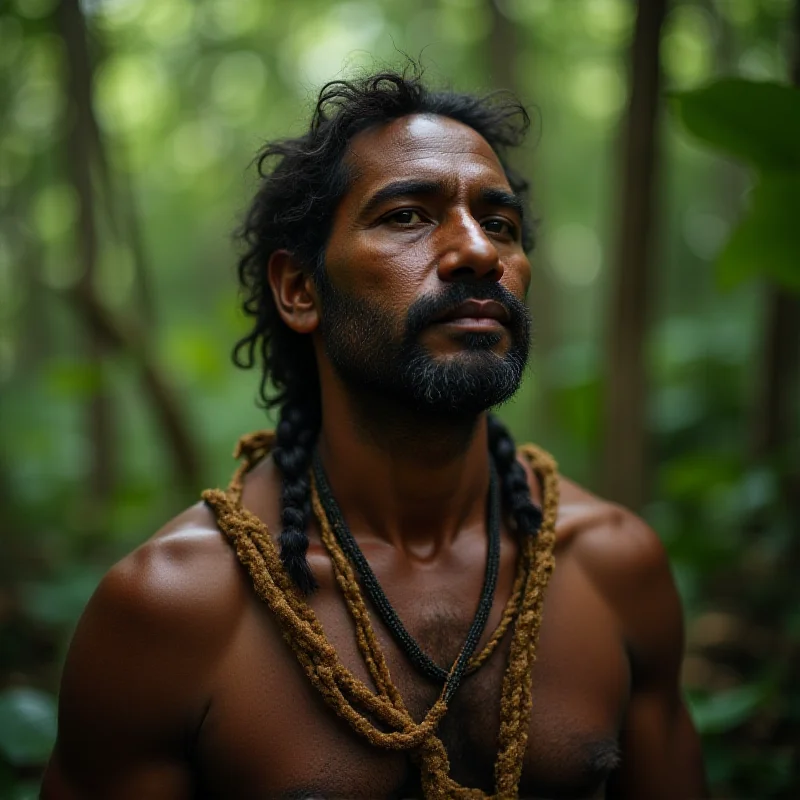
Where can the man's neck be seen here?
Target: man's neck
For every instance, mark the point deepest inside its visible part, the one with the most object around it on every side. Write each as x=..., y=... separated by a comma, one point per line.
x=413, y=479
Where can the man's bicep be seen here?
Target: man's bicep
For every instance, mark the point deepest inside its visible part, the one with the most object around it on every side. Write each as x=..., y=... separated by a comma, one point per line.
x=131, y=780
x=119, y=719
x=661, y=754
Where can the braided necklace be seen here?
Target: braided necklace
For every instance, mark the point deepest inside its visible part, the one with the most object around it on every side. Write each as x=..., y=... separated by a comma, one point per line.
x=380, y=601
x=350, y=698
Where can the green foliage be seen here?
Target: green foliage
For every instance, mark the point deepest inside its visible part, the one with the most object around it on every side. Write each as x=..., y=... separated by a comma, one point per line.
x=27, y=726
x=754, y=122
x=724, y=711
x=60, y=601
x=759, y=124
x=767, y=241
x=754, y=775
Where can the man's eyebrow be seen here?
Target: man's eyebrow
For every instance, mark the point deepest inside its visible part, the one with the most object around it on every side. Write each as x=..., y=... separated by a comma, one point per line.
x=401, y=188
x=501, y=197
x=416, y=187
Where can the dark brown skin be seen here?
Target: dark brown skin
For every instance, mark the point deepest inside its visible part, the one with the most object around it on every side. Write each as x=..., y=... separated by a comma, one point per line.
x=178, y=683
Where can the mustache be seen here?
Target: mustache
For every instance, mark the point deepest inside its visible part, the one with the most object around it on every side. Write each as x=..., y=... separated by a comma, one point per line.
x=426, y=309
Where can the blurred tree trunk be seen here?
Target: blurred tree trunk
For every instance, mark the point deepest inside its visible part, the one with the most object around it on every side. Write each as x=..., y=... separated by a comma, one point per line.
x=775, y=391
x=32, y=324
x=624, y=475
x=774, y=421
x=84, y=149
x=157, y=390
x=125, y=221
x=81, y=133
x=504, y=47
x=776, y=407
x=135, y=238
x=503, y=44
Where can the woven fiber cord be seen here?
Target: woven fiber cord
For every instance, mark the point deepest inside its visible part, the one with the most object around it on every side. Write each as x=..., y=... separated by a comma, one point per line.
x=349, y=697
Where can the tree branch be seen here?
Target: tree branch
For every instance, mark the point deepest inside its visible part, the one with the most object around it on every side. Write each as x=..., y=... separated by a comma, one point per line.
x=624, y=461
x=156, y=388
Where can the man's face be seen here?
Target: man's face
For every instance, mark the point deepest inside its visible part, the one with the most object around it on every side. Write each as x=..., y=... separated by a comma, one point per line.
x=425, y=275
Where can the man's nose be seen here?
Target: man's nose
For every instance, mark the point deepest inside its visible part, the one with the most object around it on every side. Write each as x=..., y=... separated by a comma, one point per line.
x=467, y=252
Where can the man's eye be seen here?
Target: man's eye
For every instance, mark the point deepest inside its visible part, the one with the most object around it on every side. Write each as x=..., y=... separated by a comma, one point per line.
x=406, y=216
x=501, y=227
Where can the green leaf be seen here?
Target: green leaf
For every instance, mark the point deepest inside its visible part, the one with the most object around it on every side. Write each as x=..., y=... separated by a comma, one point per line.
x=27, y=726
x=767, y=241
x=758, y=123
x=60, y=600
x=727, y=710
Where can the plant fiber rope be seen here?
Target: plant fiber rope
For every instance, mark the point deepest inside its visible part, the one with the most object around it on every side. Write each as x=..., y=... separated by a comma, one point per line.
x=348, y=696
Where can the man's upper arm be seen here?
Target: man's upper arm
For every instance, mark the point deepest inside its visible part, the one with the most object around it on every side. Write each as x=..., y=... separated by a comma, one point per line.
x=132, y=690
x=661, y=755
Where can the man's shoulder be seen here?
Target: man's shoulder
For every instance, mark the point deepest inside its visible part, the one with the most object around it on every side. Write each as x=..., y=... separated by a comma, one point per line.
x=143, y=658
x=188, y=571
x=183, y=583
x=625, y=560
x=607, y=537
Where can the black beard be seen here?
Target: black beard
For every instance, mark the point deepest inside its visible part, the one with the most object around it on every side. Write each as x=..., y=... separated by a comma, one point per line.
x=369, y=355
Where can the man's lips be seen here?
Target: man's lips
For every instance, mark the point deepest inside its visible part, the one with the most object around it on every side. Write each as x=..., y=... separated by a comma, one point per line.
x=476, y=310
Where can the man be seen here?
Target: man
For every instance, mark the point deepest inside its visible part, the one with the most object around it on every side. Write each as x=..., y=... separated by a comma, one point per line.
x=385, y=274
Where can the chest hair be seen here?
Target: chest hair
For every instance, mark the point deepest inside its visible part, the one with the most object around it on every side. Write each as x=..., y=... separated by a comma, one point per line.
x=470, y=728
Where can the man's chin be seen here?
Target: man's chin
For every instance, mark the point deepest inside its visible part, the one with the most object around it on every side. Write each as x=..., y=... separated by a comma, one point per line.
x=458, y=409
x=470, y=355
x=467, y=383
x=423, y=379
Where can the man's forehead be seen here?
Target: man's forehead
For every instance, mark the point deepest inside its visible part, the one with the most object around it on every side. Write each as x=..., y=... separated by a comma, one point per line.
x=419, y=138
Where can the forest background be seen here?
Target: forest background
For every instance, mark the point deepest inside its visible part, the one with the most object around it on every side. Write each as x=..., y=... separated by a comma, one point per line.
x=666, y=167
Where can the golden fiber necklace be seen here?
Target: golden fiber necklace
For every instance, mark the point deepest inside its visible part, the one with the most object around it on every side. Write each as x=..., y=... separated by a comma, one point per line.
x=350, y=697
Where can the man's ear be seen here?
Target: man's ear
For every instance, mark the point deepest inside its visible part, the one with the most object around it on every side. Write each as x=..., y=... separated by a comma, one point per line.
x=293, y=291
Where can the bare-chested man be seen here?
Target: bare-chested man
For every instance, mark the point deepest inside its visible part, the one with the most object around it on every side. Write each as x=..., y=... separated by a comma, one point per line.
x=385, y=274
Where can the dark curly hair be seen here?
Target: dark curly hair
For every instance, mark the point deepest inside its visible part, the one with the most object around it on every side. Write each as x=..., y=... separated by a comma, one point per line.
x=302, y=181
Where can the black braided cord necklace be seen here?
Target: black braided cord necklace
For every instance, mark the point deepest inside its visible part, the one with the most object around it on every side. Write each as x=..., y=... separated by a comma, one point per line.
x=416, y=655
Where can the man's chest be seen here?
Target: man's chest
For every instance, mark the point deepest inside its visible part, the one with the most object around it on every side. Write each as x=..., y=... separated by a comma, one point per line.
x=269, y=733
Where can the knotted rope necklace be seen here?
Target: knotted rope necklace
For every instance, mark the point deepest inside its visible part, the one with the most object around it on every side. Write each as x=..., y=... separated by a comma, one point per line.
x=348, y=696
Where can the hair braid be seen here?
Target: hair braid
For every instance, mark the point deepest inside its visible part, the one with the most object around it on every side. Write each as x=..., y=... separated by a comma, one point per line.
x=513, y=480
x=294, y=445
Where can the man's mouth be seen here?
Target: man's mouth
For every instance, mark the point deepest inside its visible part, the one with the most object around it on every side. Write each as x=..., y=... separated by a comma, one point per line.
x=482, y=313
